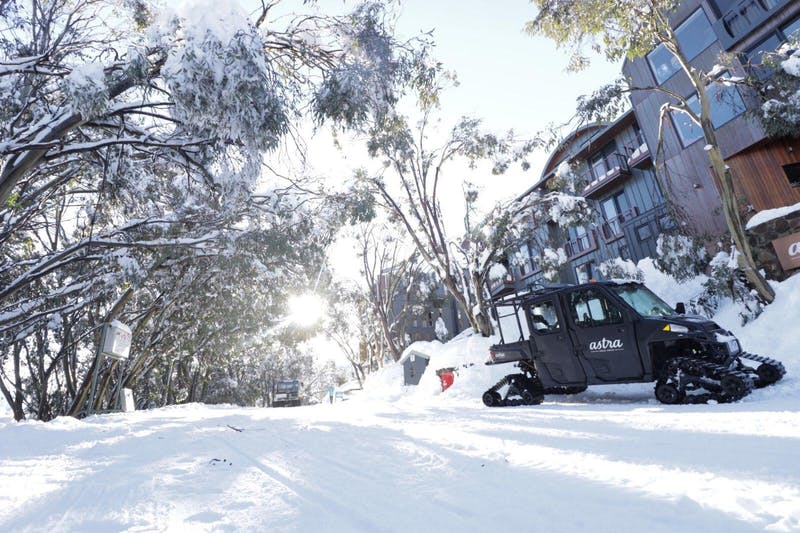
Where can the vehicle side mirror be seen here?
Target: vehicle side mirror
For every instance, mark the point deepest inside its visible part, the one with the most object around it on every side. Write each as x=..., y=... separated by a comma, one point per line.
x=680, y=308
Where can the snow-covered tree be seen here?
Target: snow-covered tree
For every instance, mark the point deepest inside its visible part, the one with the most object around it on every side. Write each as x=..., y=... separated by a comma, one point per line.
x=779, y=92
x=131, y=150
x=409, y=187
x=494, y=241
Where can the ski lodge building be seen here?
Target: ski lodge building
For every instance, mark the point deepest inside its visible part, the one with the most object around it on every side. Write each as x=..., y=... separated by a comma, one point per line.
x=629, y=191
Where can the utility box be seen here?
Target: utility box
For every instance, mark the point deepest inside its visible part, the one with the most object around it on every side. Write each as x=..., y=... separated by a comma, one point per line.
x=414, y=364
x=128, y=405
x=115, y=341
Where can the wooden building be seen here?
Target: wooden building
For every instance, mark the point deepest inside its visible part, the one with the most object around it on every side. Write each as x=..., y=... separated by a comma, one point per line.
x=766, y=172
x=616, y=175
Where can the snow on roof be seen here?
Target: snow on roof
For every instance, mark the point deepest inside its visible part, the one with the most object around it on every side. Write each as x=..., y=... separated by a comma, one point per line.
x=771, y=214
x=415, y=350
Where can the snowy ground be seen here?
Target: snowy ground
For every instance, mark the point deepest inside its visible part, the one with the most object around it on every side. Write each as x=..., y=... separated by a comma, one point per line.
x=415, y=459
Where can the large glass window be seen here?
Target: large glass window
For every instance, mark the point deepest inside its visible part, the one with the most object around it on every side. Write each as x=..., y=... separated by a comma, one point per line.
x=726, y=104
x=790, y=30
x=694, y=36
x=583, y=273
x=754, y=56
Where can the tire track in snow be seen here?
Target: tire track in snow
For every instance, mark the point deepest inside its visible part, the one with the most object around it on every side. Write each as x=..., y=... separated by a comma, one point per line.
x=772, y=505
x=323, y=503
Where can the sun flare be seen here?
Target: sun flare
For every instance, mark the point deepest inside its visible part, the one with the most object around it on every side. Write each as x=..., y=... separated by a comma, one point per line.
x=305, y=310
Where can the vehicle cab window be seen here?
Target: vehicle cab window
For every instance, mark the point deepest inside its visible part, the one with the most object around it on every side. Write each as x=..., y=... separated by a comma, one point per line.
x=590, y=308
x=544, y=317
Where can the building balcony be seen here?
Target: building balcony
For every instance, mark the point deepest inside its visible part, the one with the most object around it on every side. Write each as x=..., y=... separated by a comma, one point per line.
x=611, y=229
x=502, y=286
x=744, y=17
x=580, y=246
x=617, y=167
x=639, y=157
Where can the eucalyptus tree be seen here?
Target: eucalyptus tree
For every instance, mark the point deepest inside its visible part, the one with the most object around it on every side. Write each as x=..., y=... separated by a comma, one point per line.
x=132, y=144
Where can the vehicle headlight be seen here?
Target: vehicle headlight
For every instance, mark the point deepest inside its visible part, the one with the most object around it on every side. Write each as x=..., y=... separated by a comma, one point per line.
x=675, y=328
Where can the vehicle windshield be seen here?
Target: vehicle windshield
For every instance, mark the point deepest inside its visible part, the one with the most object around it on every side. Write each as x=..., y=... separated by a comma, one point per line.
x=286, y=386
x=643, y=300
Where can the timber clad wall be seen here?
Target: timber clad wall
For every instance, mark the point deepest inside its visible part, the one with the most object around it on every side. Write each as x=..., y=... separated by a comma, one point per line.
x=765, y=185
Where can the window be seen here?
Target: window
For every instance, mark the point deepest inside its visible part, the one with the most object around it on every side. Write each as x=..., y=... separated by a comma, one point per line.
x=694, y=36
x=666, y=223
x=791, y=29
x=614, y=209
x=726, y=104
x=793, y=174
x=643, y=300
x=590, y=308
x=644, y=232
x=583, y=273
x=544, y=317
x=754, y=56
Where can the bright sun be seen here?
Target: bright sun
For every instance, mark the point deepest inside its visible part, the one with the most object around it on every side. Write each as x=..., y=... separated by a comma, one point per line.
x=305, y=310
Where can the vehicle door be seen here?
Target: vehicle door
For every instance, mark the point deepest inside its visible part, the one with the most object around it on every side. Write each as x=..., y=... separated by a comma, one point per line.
x=552, y=345
x=604, y=335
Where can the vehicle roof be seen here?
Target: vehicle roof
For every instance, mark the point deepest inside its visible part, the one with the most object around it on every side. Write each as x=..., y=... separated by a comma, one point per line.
x=536, y=292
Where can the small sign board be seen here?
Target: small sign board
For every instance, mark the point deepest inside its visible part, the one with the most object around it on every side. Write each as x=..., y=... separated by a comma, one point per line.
x=788, y=250
x=128, y=405
x=116, y=340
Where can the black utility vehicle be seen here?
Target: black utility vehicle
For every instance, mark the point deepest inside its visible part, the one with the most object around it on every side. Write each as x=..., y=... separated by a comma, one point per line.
x=566, y=338
x=286, y=394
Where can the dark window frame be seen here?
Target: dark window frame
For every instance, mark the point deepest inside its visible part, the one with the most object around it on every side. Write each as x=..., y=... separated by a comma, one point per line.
x=710, y=88
x=794, y=177
x=661, y=48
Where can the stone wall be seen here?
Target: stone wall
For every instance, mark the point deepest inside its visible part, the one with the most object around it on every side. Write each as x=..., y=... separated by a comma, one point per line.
x=761, y=238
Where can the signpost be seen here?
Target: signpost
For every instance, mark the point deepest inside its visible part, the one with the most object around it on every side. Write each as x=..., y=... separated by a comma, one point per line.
x=788, y=250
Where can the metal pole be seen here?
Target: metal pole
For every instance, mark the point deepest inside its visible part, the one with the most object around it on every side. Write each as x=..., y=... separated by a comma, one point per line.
x=97, y=360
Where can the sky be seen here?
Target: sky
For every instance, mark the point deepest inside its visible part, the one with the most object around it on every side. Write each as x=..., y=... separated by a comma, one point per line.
x=508, y=78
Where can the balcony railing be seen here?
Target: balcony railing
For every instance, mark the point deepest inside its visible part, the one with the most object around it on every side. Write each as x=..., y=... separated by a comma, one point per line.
x=503, y=285
x=612, y=228
x=616, y=166
x=743, y=18
x=581, y=246
x=639, y=156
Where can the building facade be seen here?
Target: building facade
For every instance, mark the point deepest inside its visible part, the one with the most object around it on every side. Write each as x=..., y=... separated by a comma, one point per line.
x=617, y=177
x=616, y=160
x=766, y=172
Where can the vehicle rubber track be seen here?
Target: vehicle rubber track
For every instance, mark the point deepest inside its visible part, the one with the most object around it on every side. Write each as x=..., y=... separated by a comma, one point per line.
x=691, y=380
x=522, y=390
x=768, y=372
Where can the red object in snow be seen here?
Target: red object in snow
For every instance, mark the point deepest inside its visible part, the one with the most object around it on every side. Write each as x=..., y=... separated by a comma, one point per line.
x=446, y=377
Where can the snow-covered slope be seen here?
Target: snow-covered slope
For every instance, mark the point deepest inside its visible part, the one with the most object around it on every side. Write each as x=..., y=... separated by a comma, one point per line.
x=400, y=458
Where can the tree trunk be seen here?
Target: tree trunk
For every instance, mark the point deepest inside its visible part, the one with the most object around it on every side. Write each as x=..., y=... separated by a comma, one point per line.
x=482, y=317
x=729, y=205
